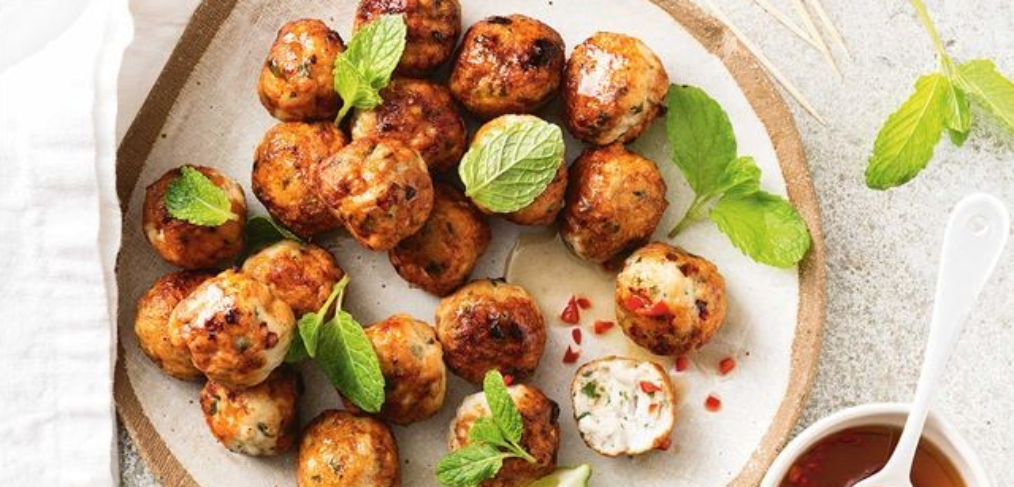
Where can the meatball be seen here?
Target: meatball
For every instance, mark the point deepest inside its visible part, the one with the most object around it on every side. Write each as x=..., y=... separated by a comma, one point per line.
x=440, y=256
x=302, y=275
x=296, y=82
x=624, y=406
x=433, y=29
x=184, y=244
x=282, y=170
x=260, y=420
x=236, y=329
x=379, y=188
x=540, y=438
x=413, y=364
x=669, y=301
x=491, y=325
x=151, y=323
x=614, y=202
x=613, y=89
x=420, y=113
x=507, y=65
x=340, y=449
x=547, y=205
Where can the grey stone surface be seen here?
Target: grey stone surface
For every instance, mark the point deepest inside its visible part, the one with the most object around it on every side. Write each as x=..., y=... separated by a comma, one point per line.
x=883, y=246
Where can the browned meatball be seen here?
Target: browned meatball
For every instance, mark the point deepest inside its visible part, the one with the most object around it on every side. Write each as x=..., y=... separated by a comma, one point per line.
x=669, y=301
x=282, y=170
x=302, y=275
x=420, y=113
x=184, y=244
x=236, y=329
x=507, y=65
x=614, y=202
x=439, y=257
x=491, y=325
x=260, y=420
x=151, y=324
x=379, y=188
x=342, y=450
x=540, y=438
x=433, y=29
x=613, y=88
x=415, y=379
x=296, y=82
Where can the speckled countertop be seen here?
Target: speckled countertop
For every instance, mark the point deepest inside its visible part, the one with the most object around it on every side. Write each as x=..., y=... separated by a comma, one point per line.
x=882, y=247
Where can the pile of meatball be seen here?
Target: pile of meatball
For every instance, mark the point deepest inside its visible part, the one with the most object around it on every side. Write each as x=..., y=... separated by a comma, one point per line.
x=388, y=178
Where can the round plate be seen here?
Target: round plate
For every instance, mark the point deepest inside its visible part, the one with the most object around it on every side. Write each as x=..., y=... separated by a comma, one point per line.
x=204, y=110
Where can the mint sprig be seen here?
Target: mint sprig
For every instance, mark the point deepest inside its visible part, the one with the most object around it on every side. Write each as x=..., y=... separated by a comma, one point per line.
x=509, y=167
x=194, y=198
x=492, y=439
x=762, y=225
x=366, y=66
x=904, y=145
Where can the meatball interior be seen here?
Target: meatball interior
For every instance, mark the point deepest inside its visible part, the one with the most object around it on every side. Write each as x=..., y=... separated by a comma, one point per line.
x=151, y=324
x=297, y=82
x=433, y=29
x=302, y=275
x=259, y=420
x=343, y=450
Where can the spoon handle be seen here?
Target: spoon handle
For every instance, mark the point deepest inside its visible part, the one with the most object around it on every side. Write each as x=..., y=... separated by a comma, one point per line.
x=976, y=234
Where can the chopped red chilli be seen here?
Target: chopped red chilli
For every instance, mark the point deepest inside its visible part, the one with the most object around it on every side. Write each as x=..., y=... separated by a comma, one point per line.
x=508, y=379
x=603, y=326
x=570, y=312
x=682, y=363
x=634, y=303
x=571, y=355
x=583, y=302
x=713, y=403
x=576, y=334
x=726, y=365
x=649, y=387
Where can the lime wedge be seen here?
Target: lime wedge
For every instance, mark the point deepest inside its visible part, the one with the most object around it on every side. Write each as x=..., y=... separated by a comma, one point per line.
x=566, y=477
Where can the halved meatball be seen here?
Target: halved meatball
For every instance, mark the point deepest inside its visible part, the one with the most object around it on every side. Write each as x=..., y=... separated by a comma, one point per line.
x=236, y=329
x=340, y=449
x=302, y=275
x=420, y=113
x=260, y=420
x=615, y=200
x=669, y=301
x=433, y=29
x=151, y=323
x=540, y=438
x=624, y=406
x=184, y=244
x=415, y=379
x=296, y=82
x=379, y=188
x=507, y=65
x=282, y=170
x=490, y=325
x=613, y=88
x=440, y=256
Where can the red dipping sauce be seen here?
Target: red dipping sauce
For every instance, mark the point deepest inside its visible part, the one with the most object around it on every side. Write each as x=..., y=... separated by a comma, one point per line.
x=845, y=458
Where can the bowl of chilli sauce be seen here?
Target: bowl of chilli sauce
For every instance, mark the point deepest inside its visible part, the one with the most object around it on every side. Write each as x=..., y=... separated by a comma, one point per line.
x=850, y=445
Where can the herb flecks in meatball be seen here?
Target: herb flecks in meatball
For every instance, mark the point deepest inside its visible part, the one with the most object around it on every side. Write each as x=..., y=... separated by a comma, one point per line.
x=297, y=82
x=340, y=449
x=257, y=421
x=300, y=274
x=433, y=29
x=151, y=324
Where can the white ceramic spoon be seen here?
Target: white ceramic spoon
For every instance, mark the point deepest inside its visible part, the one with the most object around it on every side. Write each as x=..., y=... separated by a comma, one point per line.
x=975, y=237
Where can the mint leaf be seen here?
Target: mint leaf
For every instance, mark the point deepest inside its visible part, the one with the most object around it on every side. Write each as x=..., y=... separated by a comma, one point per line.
x=262, y=231
x=905, y=143
x=194, y=198
x=310, y=323
x=485, y=430
x=470, y=465
x=512, y=165
x=700, y=137
x=983, y=82
x=501, y=405
x=346, y=356
x=741, y=177
x=366, y=66
x=763, y=226
x=959, y=115
x=297, y=351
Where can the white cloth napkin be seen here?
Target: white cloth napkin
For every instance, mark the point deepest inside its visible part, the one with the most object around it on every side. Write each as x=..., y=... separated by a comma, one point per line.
x=59, y=233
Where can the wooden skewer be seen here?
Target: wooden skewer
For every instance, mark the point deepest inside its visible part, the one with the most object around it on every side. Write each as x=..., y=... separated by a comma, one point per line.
x=815, y=34
x=750, y=46
x=784, y=19
x=829, y=25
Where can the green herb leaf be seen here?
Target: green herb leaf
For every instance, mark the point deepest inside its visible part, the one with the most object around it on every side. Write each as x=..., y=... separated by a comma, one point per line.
x=349, y=361
x=262, y=231
x=310, y=323
x=763, y=226
x=983, y=82
x=905, y=143
x=959, y=115
x=194, y=198
x=366, y=66
x=701, y=138
x=470, y=465
x=485, y=430
x=297, y=351
x=741, y=178
x=505, y=412
x=510, y=167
